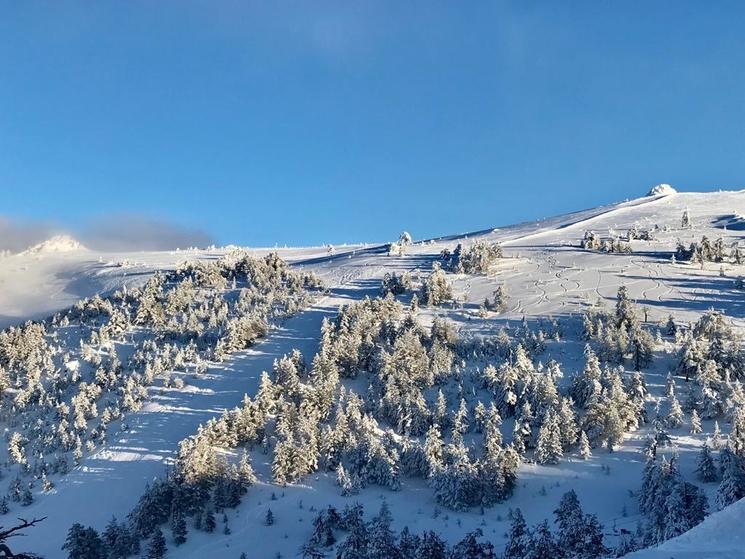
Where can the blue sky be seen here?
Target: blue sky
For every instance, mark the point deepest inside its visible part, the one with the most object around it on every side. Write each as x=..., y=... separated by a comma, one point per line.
x=313, y=122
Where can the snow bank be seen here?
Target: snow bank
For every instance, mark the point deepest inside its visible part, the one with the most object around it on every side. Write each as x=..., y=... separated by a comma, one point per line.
x=719, y=536
x=662, y=190
x=58, y=243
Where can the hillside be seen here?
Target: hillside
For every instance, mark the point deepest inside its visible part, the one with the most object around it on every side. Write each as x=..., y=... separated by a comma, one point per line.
x=548, y=285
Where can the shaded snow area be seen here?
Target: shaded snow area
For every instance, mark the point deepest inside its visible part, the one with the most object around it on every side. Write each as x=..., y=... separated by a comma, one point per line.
x=545, y=322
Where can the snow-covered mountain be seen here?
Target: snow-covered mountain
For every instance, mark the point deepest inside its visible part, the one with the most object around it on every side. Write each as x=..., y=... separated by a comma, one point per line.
x=549, y=280
x=58, y=243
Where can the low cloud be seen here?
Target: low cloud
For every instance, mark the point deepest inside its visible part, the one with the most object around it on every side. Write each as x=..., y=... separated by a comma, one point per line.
x=16, y=236
x=136, y=232
x=113, y=233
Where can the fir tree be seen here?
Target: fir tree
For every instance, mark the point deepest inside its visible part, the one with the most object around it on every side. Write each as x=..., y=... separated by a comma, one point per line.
x=695, y=423
x=209, y=522
x=84, y=543
x=706, y=471
x=549, y=447
x=542, y=544
x=157, y=547
x=732, y=486
x=470, y=548
x=431, y=546
x=584, y=446
x=518, y=538
x=381, y=539
x=178, y=527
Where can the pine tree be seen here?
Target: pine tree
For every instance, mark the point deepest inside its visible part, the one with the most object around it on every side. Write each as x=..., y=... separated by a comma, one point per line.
x=178, y=527
x=209, y=522
x=542, y=544
x=706, y=471
x=675, y=414
x=685, y=507
x=584, y=446
x=355, y=545
x=382, y=542
x=716, y=437
x=518, y=538
x=732, y=486
x=431, y=546
x=579, y=535
x=549, y=447
x=695, y=423
x=736, y=439
x=470, y=548
x=117, y=540
x=157, y=547
x=84, y=543
x=569, y=517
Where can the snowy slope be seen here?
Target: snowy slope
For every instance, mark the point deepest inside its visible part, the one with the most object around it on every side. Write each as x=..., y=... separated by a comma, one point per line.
x=546, y=274
x=720, y=536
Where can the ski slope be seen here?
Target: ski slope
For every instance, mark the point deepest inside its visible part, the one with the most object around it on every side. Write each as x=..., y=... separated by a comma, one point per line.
x=546, y=275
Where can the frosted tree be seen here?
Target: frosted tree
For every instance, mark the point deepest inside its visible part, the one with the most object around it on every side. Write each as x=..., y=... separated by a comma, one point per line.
x=157, y=547
x=355, y=545
x=736, y=438
x=695, y=423
x=584, y=446
x=586, y=384
x=381, y=543
x=518, y=537
x=470, y=548
x=685, y=220
x=716, y=437
x=567, y=423
x=436, y=290
x=549, y=447
x=706, y=470
x=542, y=544
x=732, y=486
x=83, y=543
x=675, y=414
x=178, y=527
x=522, y=430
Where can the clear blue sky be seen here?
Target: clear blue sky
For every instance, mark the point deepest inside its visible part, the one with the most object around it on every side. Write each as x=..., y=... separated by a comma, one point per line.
x=310, y=122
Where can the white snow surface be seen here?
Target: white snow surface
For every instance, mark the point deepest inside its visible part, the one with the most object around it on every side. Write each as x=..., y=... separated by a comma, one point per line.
x=546, y=275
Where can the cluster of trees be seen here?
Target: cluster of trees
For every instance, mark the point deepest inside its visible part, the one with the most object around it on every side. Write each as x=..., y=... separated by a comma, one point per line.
x=707, y=251
x=619, y=335
x=577, y=536
x=395, y=284
x=436, y=289
x=670, y=504
x=422, y=414
x=476, y=259
x=65, y=380
x=593, y=241
x=497, y=304
x=712, y=357
x=635, y=233
x=423, y=408
x=730, y=469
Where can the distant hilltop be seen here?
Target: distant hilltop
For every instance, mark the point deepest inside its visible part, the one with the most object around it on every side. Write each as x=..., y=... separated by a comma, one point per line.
x=58, y=243
x=662, y=190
